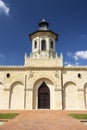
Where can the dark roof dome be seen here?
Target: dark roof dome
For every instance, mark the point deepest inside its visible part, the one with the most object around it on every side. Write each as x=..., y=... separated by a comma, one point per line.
x=43, y=30
x=43, y=25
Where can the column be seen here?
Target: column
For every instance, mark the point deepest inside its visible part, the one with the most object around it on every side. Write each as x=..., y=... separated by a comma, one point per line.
x=6, y=99
x=29, y=99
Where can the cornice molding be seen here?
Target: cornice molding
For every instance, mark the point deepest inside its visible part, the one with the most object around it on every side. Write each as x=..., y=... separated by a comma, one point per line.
x=24, y=68
x=78, y=68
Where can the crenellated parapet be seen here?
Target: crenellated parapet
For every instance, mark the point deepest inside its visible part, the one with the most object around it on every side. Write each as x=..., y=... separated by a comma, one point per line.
x=51, y=62
x=14, y=67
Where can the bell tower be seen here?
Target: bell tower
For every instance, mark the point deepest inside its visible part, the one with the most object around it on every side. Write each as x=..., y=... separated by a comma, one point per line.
x=43, y=46
x=43, y=42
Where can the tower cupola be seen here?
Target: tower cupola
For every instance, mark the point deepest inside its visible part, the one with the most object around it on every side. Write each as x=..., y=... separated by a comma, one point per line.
x=43, y=53
x=43, y=42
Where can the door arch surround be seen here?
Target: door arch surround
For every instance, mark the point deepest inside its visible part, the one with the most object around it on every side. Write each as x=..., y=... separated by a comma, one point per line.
x=43, y=97
x=36, y=87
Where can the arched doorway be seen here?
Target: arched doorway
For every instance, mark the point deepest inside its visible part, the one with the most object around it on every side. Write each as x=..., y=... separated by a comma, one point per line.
x=70, y=96
x=43, y=97
x=16, y=100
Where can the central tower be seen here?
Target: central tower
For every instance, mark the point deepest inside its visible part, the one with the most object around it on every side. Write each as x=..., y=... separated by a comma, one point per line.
x=43, y=42
x=43, y=46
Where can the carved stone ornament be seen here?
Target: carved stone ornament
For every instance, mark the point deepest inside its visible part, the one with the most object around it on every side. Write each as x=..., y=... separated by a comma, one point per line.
x=56, y=74
x=30, y=74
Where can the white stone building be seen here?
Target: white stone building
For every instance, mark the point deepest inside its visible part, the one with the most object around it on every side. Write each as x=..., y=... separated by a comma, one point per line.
x=43, y=82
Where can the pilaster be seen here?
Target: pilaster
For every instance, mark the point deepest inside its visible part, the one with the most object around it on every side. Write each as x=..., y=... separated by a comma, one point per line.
x=81, y=101
x=29, y=98
x=58, y=99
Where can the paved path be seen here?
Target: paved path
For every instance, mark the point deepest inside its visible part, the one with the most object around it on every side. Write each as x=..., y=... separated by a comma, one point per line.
x=44, y=120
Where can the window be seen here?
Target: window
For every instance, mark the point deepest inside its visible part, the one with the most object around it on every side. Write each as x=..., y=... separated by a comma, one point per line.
x=8, y=75
x=43, y=45
x=35, y=44
x=79, y=75
x=51, y=44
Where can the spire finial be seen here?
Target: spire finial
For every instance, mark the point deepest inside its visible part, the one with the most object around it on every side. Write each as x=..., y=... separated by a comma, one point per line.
x=43, y=20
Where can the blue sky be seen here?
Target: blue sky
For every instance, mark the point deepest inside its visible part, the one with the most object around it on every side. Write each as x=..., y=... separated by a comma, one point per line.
x=18, y=18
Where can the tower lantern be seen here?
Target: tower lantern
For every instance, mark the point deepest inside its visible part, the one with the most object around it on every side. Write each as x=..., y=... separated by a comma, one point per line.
x=43, y=42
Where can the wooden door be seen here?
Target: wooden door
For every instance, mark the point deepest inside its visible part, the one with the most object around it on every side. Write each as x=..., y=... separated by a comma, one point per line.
x=43, y=97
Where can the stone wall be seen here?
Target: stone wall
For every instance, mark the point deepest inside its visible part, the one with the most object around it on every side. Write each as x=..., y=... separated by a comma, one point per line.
x=19, y=87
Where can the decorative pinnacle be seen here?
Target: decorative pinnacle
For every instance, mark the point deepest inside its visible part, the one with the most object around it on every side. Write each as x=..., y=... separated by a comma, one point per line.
x=43, y=20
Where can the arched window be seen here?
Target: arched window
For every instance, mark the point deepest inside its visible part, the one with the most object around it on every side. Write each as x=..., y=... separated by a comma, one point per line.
x=43, y=45
x=35, y=44
x=51, y=44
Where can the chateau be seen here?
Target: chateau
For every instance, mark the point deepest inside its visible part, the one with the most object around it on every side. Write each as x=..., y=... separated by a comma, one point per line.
x=43, y=82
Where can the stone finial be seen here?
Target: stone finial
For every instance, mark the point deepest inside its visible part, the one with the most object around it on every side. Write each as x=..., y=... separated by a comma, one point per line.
x=25, y=55
x=43, y=20
x=61, y=56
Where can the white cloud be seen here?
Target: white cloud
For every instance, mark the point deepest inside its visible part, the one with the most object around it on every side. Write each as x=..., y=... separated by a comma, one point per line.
x=77, y=64
x=76, y=56
x=69, y=54
x=67, y=63
x=4, y=9
x=80, y=55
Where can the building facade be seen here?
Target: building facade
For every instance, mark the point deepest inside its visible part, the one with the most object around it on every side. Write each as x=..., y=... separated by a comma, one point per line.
x=43, y=82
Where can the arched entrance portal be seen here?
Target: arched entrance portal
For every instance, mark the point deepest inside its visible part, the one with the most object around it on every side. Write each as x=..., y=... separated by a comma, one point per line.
x=43, y=97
